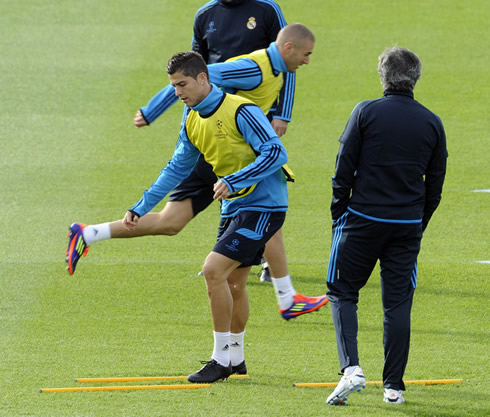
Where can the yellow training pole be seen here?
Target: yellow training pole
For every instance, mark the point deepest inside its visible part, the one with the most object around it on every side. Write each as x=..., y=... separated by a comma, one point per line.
x=123, y=388
x=434, y=381
x=143, y=378
x=415, y=382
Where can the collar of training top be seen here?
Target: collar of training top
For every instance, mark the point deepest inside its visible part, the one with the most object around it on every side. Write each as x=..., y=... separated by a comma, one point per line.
x=398, y=93
x=230, y=3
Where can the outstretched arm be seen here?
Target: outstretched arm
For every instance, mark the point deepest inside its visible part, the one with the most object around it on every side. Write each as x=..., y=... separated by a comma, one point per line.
x=157, y=105
x=178, y=168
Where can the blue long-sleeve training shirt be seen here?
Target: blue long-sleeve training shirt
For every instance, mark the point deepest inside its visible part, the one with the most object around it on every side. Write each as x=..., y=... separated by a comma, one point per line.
x=240, y=74
x=270, y=194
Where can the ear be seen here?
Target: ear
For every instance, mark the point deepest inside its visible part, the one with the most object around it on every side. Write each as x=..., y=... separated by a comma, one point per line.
x=202, y=78
x=288, y=47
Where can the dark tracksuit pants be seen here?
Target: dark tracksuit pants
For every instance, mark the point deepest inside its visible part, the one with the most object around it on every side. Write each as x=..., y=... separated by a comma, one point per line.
x=357, y=244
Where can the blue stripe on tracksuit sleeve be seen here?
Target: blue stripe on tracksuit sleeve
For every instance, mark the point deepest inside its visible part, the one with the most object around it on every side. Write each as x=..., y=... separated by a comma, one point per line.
x=277, y=9
x=332, y=263
x=260, y=131
x=284, y=108
x=159, y=103
x=414, y=276
x=287, y=106
x=227, y=75
x=207, y=5
x=241, y=74
x=271, y=155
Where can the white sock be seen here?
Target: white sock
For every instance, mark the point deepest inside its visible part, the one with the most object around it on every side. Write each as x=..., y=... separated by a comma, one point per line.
x=221, y=353
x=236, y=348
x=285, y=291
x=96, y=233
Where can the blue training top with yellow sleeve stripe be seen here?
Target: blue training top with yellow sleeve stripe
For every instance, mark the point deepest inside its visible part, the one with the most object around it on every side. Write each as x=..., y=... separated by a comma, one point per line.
x=236, y=138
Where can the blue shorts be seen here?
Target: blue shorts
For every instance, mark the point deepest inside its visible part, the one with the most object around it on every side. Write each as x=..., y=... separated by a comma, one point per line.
x=243, y=237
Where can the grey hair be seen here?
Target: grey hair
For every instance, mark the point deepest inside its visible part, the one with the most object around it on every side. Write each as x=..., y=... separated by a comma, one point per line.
x=399, y=69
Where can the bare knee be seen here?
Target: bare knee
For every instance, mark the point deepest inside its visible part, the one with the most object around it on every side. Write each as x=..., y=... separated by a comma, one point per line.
x=211, y=273
x=237, y=289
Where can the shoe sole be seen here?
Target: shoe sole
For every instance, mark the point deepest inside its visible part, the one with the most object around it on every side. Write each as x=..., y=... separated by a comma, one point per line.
x=71, y=249
x=207, y=382
x=342, y=399
x=241, y=371
x=388, y=401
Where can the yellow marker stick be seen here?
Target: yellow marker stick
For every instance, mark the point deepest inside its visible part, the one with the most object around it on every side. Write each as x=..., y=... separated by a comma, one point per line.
x=143, y=378
x=124, y=388
x=415, y=382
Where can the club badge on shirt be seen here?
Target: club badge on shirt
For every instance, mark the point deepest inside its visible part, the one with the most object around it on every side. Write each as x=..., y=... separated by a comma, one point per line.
x=251, y=24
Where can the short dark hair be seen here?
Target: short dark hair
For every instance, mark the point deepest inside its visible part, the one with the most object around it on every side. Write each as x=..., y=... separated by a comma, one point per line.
x=190, y=63
x=295, y=32
x=399, y=69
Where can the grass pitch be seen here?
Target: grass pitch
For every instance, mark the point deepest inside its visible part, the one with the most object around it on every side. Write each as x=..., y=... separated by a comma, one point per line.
x=72, y=76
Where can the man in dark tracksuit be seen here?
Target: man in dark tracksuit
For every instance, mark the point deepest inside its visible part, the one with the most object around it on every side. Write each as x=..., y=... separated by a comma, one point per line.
x=388, y=182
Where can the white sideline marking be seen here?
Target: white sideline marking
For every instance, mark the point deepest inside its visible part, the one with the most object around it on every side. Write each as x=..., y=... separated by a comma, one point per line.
x=483, y=262
x=482, y=191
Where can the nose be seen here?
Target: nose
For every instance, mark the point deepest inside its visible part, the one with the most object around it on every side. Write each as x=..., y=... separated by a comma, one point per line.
x=177, y=91
x=306, y=60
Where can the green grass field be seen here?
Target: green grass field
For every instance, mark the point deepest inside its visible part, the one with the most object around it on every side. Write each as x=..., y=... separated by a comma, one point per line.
x=72, y=75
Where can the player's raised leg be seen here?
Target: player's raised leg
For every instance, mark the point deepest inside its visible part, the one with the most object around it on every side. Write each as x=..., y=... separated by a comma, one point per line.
x=170, y=221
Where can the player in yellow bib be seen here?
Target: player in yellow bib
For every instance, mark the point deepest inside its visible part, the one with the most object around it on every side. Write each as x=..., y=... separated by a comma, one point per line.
x=235, y=137
x=258, y=77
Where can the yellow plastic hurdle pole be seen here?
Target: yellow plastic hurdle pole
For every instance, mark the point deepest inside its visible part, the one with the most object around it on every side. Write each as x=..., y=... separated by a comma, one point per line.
x=414, y=382
x=124, y=388
x=143, y=378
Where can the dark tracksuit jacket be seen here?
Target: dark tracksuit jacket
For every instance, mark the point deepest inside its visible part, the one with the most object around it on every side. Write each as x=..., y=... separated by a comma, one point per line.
x=386, y=176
